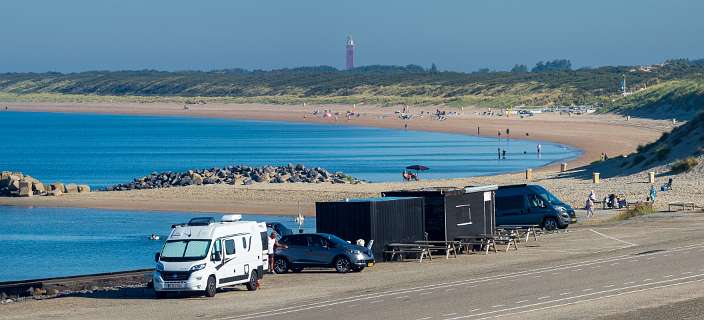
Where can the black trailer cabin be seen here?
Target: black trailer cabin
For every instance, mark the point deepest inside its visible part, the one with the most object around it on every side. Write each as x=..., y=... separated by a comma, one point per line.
x=455, y=212
x=384, y=220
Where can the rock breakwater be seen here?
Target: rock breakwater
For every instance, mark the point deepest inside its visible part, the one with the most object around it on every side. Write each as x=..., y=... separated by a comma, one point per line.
x=237, y=175
x=18, y=184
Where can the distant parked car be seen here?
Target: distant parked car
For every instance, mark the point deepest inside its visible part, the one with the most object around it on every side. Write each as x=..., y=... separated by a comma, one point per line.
x=532, y=204
x=321, y=250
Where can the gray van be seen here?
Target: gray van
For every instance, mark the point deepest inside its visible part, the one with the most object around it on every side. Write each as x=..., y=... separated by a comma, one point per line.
x=532, y=204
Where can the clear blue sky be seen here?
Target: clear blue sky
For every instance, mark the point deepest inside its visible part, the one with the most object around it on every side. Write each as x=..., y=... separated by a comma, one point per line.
x=463, y=35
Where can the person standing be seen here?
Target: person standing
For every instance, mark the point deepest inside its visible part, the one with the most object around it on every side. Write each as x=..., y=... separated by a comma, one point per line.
x=539, y=147
x=653, y=194
x=590, y=204
x=272, y=245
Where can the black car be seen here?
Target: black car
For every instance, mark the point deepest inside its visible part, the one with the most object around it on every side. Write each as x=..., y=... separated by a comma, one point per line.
x=532, y=204
x=321, y=250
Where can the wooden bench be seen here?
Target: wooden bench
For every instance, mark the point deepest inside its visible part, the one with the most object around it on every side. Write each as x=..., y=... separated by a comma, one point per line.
x=684, y=205
x=448, y=247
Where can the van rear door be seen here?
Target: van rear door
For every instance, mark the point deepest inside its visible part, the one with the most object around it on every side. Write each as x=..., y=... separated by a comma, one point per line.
x=510, y=206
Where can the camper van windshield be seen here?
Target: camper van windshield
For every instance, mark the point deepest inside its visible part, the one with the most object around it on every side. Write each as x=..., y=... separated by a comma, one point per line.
x=185, y=250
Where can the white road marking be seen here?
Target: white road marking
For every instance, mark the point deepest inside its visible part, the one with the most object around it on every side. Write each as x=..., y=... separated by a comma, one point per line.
x=566, y=293
x=613, y=238
x=401, y=297
x=545, y=297
x=538, y=277
x=450, y=289
x=427, y=292
x=609, y=286
x=449, y=314
x=688, y=272
x=368, y=296
x=376, y=301
x=497, y=306
x=477, y=309
x=426, y=318
x=580, y=269
x=668, y=276
x=614, y=264
x=589, y=289
x=522, y=301
x=648, y=279
x=629, y=282
x=554, y=304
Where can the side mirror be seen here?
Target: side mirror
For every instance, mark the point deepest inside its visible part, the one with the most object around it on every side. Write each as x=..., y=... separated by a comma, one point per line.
x=157, y=256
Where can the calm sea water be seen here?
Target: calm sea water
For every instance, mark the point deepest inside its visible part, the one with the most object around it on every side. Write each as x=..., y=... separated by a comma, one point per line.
x=107, y=149
x=49, y=242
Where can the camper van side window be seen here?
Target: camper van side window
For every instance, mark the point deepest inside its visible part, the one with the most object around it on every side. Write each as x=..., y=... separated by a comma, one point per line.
x=230, y=247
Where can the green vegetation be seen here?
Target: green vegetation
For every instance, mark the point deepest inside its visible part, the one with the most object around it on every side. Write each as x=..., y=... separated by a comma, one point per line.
x=676, y=95
x=684, y=165
x=550, y=83
x=640, y=209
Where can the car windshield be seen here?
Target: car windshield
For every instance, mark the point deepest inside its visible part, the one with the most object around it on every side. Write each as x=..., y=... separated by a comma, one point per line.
x=335, y=239
x=185, y=250
x=547, y=195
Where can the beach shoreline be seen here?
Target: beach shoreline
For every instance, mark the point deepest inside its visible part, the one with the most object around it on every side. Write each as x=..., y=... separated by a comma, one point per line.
x=591, y=134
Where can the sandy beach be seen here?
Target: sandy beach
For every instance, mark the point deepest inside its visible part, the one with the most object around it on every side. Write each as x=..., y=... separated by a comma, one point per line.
x=593, y=134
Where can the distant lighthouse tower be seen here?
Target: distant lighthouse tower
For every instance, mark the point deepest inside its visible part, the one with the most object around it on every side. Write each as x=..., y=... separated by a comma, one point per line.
x=350, y=53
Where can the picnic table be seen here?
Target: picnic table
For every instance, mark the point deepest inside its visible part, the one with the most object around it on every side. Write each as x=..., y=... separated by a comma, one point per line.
x=402, y=249
x=484, y=241
x=449, y=247
x=527, y=229
x=684, y=205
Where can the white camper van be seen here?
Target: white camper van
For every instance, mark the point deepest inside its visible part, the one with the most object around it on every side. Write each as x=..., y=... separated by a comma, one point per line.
x=204, y=255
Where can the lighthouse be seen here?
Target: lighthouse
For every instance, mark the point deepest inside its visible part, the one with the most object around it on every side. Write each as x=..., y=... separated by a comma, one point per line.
x=349, y=46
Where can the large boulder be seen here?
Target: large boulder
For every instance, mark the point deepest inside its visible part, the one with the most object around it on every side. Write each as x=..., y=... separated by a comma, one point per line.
x=26, y=189
x=38, y=188
x=14, y=183
x=71, y=188
x=197, y=179
x=57, y=186
x=83, y=188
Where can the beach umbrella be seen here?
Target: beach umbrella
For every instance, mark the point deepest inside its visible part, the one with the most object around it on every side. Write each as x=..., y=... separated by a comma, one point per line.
x=417, y=167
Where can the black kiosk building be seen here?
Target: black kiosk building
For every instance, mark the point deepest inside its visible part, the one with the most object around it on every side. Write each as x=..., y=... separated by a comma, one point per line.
x=384, y=220
x=455, y=212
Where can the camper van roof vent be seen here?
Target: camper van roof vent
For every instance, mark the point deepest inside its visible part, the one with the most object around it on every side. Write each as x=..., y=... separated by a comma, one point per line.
x=231, y=218
x=202, y=221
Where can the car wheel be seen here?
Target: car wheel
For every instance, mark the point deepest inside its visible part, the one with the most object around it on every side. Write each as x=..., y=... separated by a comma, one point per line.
x=296, y=269
x=252, y=284
x=343, y=265
x=281, y=265
x=160, y=294
x=210, y=288
x=550, y=224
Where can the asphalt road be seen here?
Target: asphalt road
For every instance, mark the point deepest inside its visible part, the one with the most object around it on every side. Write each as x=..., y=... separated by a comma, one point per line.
x=541, y=293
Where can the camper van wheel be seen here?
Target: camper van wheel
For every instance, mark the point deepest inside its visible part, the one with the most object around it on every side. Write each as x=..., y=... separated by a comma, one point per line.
x=281, y=265
x=343, y=265
x=252, y=284
x=160, y=294
x=211, y=288
x=550, y=224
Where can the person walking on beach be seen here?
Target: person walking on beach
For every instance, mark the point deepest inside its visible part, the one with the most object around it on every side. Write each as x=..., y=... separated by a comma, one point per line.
x=589, y=205
x=499, y=150
x=539, y=147
x=503, y=153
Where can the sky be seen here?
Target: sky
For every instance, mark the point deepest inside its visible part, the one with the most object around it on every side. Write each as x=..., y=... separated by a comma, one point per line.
x=457, y=35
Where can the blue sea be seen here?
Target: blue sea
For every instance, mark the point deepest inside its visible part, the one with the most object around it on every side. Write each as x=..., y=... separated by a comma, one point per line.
x=51, y=242
x=100, y=150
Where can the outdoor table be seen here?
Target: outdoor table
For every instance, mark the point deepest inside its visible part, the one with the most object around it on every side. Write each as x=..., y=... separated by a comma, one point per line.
x=447, y=246
x=527, y=228
x=485, y=240
x=402, y=248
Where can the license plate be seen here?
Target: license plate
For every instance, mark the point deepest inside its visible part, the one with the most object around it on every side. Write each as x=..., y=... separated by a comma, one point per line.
x=174, y=285
x=370, y=264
